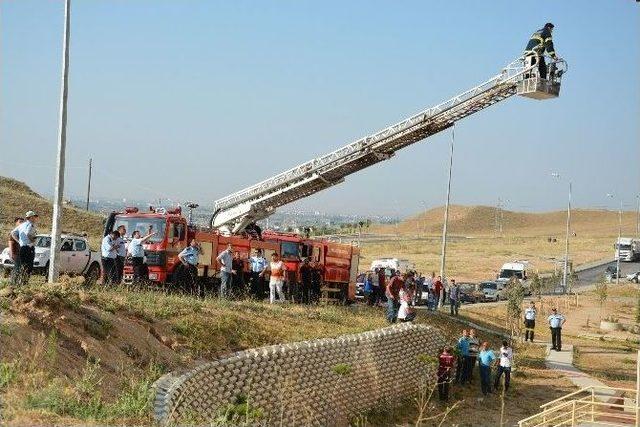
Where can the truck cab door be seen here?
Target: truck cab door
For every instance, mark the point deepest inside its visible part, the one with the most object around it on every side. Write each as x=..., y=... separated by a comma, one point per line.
x=66, y=250
x=79, y=257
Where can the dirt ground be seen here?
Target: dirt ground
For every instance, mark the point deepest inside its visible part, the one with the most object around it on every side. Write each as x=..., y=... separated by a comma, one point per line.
x=611, y=356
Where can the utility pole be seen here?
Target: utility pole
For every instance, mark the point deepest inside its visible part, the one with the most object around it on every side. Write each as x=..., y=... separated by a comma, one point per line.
x=565, y=269
x=617, y=252
x=54, y=262
x=619, y=236
x=566, y=244
x=443, y=258
x=89, y=185
x=638, y=218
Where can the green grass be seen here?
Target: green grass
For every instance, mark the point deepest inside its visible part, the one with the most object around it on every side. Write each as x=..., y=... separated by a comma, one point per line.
x=82, y=400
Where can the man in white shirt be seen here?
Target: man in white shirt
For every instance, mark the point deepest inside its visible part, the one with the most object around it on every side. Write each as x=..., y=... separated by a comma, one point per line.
x=504, y=366
x=24, y=234
x=121, y=252
x=136, y=251
x=556, y=320
x=108, y=250
x=225, y=258
x=530, y=321
x=257, y=263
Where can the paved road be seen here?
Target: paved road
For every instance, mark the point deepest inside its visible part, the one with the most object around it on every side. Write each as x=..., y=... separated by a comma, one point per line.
x=593, y=275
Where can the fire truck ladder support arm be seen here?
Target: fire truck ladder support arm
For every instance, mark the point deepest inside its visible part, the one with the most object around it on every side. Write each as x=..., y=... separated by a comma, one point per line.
x=235, y=211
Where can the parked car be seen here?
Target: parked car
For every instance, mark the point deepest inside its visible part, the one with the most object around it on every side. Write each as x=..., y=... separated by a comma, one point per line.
x=76, y=257
x=611, y=273
x=360, y=285
x=634, y=277
x=469, y=293
x=493, y=291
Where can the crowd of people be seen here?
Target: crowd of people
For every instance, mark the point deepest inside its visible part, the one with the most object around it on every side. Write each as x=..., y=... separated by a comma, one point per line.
x=456, y=365
x=401, y=291
x=240, y=280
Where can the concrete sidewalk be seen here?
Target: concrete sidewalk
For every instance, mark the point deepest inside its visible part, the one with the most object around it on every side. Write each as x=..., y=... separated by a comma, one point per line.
x=562, y=361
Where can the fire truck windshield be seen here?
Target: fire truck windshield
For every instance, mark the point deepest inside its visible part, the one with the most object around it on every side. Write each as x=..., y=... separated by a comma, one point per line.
x=290, y=250
x=143, y=225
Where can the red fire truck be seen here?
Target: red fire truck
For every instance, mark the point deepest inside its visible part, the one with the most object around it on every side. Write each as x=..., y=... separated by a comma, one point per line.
x=338, y=262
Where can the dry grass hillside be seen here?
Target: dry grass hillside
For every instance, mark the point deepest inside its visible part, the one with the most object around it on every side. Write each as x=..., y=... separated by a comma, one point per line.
x=75, y=355
x=481, y=221
x=476, y=250
x=16, y=198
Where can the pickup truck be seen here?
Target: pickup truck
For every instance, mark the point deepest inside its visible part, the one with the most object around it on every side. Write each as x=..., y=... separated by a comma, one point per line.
x=76, y=258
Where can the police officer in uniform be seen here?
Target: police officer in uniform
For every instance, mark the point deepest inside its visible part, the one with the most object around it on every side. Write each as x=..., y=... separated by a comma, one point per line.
x=188, y=269
x=556, y=320
x=24, y=235
x=530, y=321
x=539, y=43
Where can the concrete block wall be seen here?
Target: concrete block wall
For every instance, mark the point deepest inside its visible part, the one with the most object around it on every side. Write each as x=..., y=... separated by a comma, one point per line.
x=299, y=384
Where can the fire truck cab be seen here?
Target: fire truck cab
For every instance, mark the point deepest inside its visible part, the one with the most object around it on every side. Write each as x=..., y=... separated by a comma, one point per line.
x=338, y=262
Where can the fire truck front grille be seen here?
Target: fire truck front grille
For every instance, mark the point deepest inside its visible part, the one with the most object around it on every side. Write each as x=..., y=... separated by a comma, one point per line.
x=156, y=257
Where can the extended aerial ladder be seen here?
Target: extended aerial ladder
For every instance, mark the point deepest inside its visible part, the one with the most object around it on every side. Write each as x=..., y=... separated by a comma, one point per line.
x=236, y=211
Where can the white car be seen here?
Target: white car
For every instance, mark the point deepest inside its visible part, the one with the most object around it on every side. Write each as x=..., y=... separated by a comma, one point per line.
x=76, y=258
x=633, y=277
x=493, y=291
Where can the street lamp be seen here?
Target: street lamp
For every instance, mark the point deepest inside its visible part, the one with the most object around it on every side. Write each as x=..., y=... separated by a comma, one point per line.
x=443, y=258
x=638, y=218
x=424, y=218
x=566, y=244
x=618, y=242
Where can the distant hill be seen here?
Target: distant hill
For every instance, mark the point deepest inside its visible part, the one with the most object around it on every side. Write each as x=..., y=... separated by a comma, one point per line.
x=481, y=221
x=16, y=198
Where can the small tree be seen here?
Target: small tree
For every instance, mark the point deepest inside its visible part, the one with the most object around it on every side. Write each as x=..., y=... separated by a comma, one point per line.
x=515, y=298
x=536, y=285
x=602, y=294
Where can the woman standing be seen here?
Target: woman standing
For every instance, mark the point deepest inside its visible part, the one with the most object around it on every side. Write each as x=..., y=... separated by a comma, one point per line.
x=276, y=268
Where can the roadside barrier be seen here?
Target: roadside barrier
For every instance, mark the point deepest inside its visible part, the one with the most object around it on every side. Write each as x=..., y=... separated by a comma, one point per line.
x=319, y=382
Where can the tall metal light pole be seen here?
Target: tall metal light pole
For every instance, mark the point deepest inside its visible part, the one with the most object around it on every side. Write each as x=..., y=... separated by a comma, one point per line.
x=443, y=258
x=618, y=241
x=638, y=218
x=424, y=218
x=89, y=185
x=566, y=243
x=619, y=236
x=54, y=262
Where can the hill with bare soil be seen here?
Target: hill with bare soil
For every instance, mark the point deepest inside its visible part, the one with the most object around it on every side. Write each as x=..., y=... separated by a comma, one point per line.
x=16, y=198
x=485, y=220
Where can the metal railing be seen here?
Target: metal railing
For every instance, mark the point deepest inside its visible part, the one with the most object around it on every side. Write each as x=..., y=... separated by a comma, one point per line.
x=590, y=405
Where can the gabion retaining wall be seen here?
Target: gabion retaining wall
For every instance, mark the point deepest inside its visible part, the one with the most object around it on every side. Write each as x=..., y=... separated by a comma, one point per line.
x=321, y=382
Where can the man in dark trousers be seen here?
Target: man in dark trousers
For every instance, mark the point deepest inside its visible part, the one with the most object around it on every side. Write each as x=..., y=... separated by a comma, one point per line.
x=14, y=246
x=237, y=280
x=24, y=235
x=258, y=265
x=188, y=269
x=530, y=321
x=306, y=279
x=317, y=273
x=393, y=297
x=556, y=320
x=108, y=249
x=445, y=366
x=539, y=43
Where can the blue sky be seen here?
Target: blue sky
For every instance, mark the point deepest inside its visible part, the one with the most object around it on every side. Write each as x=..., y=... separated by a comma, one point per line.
x=193, y=100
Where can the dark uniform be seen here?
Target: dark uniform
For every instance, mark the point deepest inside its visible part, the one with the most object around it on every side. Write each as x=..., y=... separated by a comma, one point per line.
x=306, y=279
x=539, y=43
